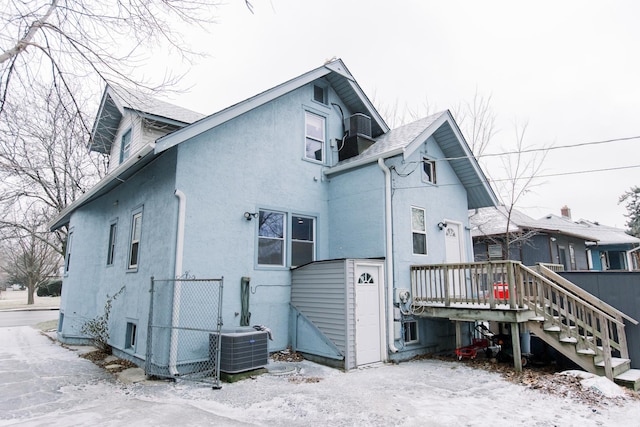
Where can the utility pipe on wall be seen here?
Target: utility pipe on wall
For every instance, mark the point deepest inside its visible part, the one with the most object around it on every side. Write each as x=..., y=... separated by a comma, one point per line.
x=388, y=254
x=175, y=313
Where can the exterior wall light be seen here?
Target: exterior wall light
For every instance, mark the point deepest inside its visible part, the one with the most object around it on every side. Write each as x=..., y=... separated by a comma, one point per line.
x=249, y=215
x=442, y=225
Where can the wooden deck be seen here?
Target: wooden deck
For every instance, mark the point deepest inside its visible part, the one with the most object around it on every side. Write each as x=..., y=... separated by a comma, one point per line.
x=538, y=299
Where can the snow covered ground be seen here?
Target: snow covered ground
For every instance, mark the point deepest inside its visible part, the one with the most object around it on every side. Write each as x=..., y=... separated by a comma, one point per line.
x=42, y=383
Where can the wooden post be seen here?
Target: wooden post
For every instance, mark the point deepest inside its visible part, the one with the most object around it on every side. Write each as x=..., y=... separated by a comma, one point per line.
x=511, y=285
x=447, y=296
x=606, y=347
x=515, y=343
x=458, y=333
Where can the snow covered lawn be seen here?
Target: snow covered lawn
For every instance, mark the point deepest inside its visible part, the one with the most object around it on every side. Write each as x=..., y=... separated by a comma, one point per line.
x=42, y=383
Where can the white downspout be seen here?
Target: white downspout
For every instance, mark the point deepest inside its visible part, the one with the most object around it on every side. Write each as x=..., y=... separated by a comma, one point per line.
x=388, y=254
x=175, y=314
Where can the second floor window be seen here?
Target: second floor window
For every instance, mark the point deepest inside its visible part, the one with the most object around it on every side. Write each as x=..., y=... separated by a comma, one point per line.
x=112, y=243
x=314, y=137
x=136, y=232
x=125, y=146
x=419, y=231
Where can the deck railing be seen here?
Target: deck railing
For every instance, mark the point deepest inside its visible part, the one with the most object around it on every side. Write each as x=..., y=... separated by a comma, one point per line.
x=595, y=327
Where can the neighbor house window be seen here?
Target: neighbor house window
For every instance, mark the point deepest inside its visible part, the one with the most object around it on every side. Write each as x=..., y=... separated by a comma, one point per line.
x=320, y=94
x=67, y=258
x=314, y=136
x=271, y=238
x=136, y=231
x=410, y=329
x=428, y=170
x=125, y=146
x=131, y=335
x=495, y=251
x=572, y=257
x=419, y=231
x=302, y=240
x=112, y=243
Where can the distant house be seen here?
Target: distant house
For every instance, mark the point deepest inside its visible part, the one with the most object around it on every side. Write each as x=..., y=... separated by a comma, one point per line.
x=577, y=245
x=302, y=190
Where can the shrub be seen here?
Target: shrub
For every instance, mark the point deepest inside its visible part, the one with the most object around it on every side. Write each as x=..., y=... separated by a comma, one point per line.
x=98, y=328
x=50, y=288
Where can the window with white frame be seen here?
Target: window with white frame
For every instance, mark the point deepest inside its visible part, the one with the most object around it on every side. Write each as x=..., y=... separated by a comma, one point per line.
x=428, y=170
x=271, y=238
x=314, y=136
x=113, y=228
x=125, y=145
x=136, y=233
x=67, y=258
x=419, y=231
x=302, y=240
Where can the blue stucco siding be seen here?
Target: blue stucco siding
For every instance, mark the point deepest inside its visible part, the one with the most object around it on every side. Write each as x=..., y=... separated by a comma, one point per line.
x=90, y=279
x=255, y=161
x=445, y=200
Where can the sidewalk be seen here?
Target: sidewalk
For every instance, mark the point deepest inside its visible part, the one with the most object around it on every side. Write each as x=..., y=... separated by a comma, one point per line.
x=17, y=300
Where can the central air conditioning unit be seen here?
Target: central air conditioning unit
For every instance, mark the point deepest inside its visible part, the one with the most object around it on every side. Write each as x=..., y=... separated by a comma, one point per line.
x=358, y=139
x=241, y=349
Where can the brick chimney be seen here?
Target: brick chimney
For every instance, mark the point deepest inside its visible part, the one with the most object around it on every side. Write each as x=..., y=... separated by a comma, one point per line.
x=566, y=212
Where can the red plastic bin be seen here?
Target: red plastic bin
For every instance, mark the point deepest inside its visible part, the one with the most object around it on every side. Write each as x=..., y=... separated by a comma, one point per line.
x=501, y=291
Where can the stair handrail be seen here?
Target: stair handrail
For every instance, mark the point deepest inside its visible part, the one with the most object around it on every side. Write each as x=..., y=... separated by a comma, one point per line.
x=582, y=294
x=582, y=301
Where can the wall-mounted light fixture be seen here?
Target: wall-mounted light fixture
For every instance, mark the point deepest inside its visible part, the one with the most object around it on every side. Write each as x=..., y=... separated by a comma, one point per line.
x=442, y=225
x=249, y=215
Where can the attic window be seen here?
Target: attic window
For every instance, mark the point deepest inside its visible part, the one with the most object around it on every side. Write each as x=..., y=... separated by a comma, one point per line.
x=125, y=146
x=320, y=94
x=428, y=170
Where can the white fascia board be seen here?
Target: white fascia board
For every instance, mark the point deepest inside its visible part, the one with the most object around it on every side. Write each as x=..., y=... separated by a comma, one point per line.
x=236, y=110
x=63, y=217
x=364, y=161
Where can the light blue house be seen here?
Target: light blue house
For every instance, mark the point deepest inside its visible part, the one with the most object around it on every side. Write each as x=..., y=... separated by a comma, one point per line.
x=302, y=190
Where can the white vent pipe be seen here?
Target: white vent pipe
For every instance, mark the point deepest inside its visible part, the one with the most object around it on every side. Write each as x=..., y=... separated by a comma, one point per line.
x=177, y=287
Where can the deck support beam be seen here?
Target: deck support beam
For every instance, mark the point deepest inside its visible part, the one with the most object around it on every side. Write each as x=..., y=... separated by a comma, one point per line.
x=458, y=333
x=515, y=342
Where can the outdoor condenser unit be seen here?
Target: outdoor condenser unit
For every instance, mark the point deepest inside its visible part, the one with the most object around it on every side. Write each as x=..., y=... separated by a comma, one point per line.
x=241, y=349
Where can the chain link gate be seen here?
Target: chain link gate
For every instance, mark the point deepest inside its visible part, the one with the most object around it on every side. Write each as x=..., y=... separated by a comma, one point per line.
x=183, y=333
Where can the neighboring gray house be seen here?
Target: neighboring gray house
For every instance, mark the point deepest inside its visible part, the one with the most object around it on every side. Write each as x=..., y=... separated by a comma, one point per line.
x=302, y=190
x=577, y=245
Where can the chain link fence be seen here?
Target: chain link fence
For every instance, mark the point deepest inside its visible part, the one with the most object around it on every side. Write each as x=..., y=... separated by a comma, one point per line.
x=183, y=336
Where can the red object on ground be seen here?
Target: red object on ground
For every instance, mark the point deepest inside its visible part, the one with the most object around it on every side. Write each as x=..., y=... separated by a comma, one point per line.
x=501, y=291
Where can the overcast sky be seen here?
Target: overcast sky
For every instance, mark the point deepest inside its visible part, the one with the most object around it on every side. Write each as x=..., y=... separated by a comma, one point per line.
x=569, y=69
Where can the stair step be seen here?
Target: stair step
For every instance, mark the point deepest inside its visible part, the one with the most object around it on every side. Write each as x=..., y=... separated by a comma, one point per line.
x=615, y=361
x=586, y=352
x=552, y=328
x=569, y=340
x=630, y=379
x=537, y=319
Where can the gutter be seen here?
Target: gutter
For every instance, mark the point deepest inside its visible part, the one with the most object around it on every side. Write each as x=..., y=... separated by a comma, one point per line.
x=388, y=254
x=362, y=161
x=177, y=285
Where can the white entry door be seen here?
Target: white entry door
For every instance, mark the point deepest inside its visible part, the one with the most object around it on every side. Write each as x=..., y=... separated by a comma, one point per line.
x=453, y=242
x=368, y=313
x=454, y=254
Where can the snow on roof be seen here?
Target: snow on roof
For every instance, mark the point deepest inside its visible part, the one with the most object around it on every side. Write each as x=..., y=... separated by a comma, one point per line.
x=608, y=235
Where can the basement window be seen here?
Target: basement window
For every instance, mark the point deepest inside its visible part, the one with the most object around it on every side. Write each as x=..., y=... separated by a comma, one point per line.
x=131, y=335
x=410, y=331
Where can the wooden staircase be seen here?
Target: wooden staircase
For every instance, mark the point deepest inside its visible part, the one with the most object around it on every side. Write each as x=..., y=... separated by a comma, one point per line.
x=580, y=326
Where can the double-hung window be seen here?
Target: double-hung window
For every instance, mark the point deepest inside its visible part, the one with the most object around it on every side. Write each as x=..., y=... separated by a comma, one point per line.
x=125, y=146
x=302, y=240
x=67, y=258
x=113, y=228
x=419, y=231
x=271, y=238
x=136, y=232
x=314, y=136
x=277, y=237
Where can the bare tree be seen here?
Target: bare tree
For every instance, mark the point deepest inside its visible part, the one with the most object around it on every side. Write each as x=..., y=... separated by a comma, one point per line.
x=62, y=41
x=522, y=166
x=477, y=121
x=29, y=258
x=632, y=199
x=44, y=161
